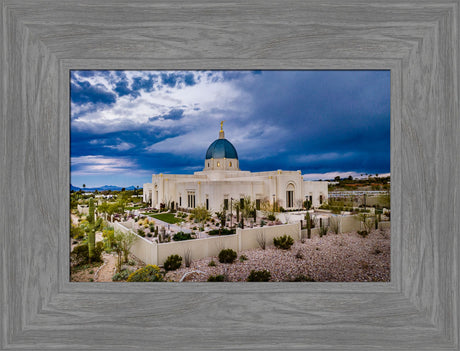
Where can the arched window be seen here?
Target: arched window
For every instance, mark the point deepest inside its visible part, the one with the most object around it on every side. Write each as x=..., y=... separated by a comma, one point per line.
x=290, y=195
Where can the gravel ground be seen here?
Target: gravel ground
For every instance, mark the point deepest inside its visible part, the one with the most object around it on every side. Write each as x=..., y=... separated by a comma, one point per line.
x=333, y=258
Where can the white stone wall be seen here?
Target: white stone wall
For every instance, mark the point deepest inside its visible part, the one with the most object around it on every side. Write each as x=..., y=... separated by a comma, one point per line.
x=218, y=185
x=315, y=189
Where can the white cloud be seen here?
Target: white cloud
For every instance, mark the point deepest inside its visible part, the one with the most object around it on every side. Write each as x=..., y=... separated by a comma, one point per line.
x=93, y=165
x=121, y=146
x=210, y=96
x=332, y=175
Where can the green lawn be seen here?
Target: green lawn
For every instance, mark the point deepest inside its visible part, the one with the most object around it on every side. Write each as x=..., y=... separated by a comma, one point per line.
x=167, y=217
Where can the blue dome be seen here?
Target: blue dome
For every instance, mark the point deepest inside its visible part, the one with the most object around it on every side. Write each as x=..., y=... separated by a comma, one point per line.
x=221, y=148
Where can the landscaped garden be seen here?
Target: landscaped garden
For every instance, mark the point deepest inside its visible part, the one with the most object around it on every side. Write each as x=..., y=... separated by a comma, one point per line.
x=167, y=217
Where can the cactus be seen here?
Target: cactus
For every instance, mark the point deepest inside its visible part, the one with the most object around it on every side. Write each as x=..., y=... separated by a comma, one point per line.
x=307, y=218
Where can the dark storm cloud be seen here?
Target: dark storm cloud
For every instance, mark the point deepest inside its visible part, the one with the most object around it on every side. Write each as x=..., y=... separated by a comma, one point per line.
x=313, y=121
x=174, y=114
x=326, y=112
x=84, y=92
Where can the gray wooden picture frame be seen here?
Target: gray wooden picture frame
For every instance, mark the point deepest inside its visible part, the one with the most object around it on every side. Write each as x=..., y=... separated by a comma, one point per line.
x=42, y=40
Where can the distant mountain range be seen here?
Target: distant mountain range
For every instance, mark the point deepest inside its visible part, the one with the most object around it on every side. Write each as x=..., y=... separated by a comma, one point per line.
x=102, y=188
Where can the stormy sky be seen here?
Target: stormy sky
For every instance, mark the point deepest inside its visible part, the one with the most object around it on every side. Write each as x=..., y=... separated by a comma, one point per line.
x=126, y=125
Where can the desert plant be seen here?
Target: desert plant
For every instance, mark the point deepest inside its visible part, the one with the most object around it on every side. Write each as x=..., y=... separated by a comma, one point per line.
x=227, y=256
x=243, y=258
x=366, y=221
x=212, y=263
x=150, y=273
x=335, y=224
x=302, y=278
x=216, y=278
x=261, y=241
x=91, y=229
x=76, y=232
x=188, y=257
x=222, y=231
x=363, y=233
x=308, y=219
x=283, y=242
x=323, y=229
x=180, y=236
x=172, y=263
x=141, y=233
x=80, y=254
x=122, y=275
x=299, y=255
x=259, y=276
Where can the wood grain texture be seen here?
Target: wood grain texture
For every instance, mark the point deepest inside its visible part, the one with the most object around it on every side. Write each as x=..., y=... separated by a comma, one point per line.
x=43, y=40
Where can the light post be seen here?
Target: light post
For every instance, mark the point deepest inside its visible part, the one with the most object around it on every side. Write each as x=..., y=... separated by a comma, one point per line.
x=231, y=213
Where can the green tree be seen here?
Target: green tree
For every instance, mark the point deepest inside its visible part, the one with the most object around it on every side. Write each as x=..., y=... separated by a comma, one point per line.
x=366, y=220
x=248, y=208
x=222, y=215
x=126, y=241
x=237, y=208
x=201, y=214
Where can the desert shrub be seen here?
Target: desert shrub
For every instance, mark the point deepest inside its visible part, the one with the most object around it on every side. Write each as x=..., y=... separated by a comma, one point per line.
x=212, y=263
x=172, y=263
x=335, y=224
x=76, y=232
x=283, y=242
x=363, y=233
x=182, y=236
x=302, y=278
x=149, y=235
x=259, y=276
x=261, y=241
x=243, y=258
x=80, y=254
x=120, y=276
x=223, y=231
x=323, y=229
x=299, y=255
x=150, y=273
x=188, y=257
x=271, y=217
x=140, y=232
x=216, y=278
x=131, y=262
x=227, y=256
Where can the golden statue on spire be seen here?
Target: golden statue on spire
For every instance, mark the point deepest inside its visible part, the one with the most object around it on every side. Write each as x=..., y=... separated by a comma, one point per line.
x=221, y=132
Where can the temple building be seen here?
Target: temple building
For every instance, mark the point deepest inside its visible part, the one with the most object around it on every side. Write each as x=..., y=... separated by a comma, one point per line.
x=221, y=182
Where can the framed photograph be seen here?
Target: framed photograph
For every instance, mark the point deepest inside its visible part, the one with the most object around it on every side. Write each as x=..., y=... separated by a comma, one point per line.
x=44, y=41
x=157, y=194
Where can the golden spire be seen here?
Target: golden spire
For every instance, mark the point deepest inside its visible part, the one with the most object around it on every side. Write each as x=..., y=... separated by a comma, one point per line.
x=221, y=132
